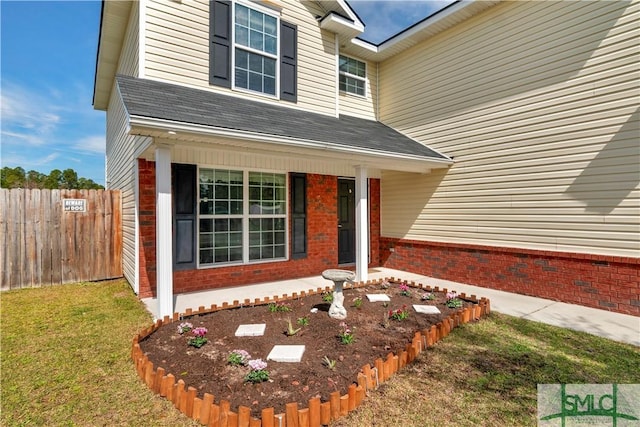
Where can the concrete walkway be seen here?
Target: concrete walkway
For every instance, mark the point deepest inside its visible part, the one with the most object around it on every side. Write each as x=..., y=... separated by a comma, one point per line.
x=615, y=326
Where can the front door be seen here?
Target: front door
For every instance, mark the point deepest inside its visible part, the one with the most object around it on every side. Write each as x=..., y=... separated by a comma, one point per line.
x=346, y=221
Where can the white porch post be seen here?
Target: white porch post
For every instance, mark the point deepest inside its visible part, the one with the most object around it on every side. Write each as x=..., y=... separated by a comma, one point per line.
x=164, y=244
x=362, y=224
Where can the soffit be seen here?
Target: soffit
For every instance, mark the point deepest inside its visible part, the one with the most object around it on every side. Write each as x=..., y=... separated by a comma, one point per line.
x=113, y=27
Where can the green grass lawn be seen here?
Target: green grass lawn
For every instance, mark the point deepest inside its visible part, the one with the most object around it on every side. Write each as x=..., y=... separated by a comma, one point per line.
x=65, y=361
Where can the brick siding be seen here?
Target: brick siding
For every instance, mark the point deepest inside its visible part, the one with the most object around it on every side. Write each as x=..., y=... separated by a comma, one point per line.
x=322, y=238
x=604, y=282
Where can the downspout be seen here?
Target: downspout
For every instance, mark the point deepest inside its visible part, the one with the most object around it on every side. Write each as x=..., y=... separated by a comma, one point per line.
x=337, y=75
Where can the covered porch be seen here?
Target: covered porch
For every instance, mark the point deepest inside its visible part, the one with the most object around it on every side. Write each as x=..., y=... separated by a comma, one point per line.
x=202, y=129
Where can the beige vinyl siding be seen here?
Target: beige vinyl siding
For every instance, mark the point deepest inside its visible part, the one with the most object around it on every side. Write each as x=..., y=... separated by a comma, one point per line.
x=129, y=57
x=538, y=103
x=190, y=152
x=120, y=160
x=177, y=50
x=359, y=106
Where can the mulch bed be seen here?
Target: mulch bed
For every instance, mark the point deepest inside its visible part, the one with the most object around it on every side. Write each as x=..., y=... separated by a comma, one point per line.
x=208, y=371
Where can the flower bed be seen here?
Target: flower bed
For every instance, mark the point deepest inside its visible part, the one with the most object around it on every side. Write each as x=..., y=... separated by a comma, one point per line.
x=316, y=411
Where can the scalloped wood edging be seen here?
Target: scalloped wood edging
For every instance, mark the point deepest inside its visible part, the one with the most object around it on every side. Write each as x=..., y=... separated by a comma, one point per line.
x=318, y=413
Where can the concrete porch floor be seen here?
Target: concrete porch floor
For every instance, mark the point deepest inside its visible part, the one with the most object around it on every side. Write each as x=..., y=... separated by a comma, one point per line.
x=615, y=326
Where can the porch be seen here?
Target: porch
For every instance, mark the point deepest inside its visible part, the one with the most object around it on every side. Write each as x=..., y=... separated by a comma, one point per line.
x=615, y=326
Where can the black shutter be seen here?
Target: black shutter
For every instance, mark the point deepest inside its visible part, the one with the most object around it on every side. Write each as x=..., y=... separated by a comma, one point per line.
x=298, y=215
x=220, y=43
x=184, y=192
x=288, y=62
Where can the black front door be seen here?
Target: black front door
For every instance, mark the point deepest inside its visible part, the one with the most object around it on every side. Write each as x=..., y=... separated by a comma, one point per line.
x=346, y=221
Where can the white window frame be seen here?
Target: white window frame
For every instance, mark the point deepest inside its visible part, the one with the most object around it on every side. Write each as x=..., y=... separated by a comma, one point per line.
x=353, y=76
x=276, y=57
x=246, y=216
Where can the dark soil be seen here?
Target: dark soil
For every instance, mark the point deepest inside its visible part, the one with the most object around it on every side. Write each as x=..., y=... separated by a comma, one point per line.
x=208, y=371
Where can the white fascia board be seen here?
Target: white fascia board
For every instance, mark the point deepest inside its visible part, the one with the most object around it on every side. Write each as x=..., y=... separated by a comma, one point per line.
x=142, y=123
x=366, y=45
x=343, y=4
x=338, y=24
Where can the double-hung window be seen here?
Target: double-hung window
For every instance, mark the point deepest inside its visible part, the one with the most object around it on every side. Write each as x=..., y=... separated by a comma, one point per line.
x=242, y=216
x=353, y=76
x=255, y=50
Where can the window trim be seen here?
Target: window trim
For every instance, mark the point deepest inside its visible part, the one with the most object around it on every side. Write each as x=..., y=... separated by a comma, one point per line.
x=246, y=216
x=234, y=46
x=364, y=79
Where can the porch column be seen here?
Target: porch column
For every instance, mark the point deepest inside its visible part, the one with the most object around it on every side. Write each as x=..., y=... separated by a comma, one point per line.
x=164, y=244
x=362, y=224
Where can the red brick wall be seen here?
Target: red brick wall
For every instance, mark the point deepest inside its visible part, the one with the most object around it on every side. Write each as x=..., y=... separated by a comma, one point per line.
x=147, y=231
x=322, y=237
x=604, y=282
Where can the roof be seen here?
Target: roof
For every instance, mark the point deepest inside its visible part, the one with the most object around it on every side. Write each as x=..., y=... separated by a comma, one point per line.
x=171, y=103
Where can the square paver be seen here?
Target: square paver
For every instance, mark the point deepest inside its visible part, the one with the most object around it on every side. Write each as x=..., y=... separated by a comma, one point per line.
x=286, y=353
x=378, y=297
x=426, y=309
x=255, y=330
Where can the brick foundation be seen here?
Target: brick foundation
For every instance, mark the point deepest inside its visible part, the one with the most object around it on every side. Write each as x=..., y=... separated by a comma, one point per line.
x=604, y=282
x=322, y=238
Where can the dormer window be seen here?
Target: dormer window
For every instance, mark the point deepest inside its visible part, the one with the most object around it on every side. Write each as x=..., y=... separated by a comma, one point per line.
x=353, y=76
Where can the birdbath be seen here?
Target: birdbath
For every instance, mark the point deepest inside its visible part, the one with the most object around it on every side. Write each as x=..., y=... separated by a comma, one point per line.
x=338, y=277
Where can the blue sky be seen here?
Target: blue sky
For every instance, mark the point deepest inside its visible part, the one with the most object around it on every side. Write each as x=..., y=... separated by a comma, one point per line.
x=47, y=65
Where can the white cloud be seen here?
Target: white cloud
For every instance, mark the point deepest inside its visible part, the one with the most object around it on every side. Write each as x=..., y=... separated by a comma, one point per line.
x=92, y=144
x=29, y=162
x=27, y=117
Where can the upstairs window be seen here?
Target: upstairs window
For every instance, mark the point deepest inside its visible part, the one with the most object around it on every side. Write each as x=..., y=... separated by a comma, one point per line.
x=256, y=50
x=353, y=76
x=252, y=49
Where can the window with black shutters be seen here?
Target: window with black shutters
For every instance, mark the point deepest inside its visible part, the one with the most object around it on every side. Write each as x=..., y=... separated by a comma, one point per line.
x=251, y=49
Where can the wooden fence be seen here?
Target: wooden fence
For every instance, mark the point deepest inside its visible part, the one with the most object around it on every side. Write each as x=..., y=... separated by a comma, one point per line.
x=46, y=238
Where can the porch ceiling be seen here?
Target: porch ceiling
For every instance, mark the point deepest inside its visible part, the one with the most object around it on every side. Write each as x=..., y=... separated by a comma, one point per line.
x=168, y=111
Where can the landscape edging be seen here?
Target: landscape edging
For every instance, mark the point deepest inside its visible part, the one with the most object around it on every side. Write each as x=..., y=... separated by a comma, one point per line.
x=317, y=413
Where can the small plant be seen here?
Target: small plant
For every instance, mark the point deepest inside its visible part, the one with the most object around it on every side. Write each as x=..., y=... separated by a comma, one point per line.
x=399, y=314
x=303, y=321
x=327, y=296
x=404, y=290
x=184, y=327
x=238, y=358
x=258, y=371
x=329, y=363
x=346, y=335
x=279, y=306
x=385, y=284
x=290, y=329
x=428, y=296
x=453, y=301
x=198, y=339
x=357, y=302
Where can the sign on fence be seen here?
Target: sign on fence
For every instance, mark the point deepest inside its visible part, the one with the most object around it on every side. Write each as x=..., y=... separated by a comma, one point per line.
x=41, y=244
x=74, y=205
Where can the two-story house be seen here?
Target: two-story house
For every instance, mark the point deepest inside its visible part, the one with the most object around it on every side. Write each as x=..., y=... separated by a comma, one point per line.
x=494, y=143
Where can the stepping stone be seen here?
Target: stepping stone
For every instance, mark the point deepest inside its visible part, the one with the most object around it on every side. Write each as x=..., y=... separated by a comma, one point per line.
x=286, y=353
x=255, y=330
x=378, y=297
x=426, y=309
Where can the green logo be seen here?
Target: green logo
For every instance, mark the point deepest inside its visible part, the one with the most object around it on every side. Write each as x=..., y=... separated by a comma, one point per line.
x=567, y=405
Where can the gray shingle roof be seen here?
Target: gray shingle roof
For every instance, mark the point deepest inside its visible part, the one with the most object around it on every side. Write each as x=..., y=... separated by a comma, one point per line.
x=159, y=100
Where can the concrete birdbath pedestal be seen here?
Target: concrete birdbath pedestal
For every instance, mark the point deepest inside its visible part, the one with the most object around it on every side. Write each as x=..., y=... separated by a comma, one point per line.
x=338, y=277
